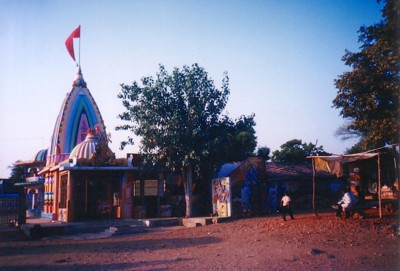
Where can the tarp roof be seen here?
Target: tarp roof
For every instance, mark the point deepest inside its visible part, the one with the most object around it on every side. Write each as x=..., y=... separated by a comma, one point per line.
x=334, y=164
x=346, y=158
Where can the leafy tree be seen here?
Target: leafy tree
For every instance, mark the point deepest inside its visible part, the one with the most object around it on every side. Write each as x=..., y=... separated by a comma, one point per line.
x=236, y=139
x=178, y=118
x=17, y=175
x=356, y=148
x=295, y=151
x=368, y=95
x=264, y=152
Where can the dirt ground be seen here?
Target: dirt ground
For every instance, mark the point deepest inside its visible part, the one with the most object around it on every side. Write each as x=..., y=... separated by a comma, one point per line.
x=259, y=243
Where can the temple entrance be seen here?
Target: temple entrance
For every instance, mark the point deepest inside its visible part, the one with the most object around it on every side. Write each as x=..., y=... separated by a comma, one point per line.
x=96, y=196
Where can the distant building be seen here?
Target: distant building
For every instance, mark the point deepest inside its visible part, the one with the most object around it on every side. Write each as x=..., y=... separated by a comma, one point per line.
x=257, y=187
x=33, y=182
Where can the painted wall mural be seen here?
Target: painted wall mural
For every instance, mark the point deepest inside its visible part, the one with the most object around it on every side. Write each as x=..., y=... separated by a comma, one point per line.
x=221, y=197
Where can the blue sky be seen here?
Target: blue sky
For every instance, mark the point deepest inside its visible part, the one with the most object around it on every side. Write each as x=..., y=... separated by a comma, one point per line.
x=281, y=56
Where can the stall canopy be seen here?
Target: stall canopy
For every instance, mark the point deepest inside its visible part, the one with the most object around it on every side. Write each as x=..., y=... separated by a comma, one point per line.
x=334, y=164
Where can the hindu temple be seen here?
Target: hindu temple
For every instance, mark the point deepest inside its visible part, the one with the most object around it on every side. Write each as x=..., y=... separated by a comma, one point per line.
x=78, y=177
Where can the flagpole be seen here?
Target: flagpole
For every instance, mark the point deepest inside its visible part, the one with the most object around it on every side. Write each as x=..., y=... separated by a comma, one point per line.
x=79, y=46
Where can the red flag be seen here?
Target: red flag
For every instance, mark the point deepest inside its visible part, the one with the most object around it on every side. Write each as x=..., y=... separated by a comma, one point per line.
x=69, y=43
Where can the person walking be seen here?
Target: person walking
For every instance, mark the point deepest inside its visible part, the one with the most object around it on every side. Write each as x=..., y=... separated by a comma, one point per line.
x=286, y=205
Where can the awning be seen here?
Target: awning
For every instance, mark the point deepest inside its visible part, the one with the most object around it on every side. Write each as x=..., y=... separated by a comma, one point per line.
x=334, y=164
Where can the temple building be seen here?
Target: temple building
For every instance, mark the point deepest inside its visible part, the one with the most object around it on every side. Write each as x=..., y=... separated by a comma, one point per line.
x=80, y=178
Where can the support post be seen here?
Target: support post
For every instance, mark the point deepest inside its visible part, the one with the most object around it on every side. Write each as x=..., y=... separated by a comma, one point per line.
x=21, y=206
x=313, y=195
x=379, y=186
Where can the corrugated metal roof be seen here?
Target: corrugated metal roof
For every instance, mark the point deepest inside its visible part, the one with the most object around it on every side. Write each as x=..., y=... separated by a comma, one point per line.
x=290, y=171
x=276, y=171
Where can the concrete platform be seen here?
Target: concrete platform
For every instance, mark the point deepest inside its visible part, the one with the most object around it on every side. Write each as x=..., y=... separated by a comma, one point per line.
x=43, y=227
x=202, y=221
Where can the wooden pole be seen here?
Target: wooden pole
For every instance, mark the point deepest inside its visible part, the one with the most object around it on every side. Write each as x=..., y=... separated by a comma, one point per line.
x=313, y=195
x=160, y=191
x=379, y=186
x=396, y=162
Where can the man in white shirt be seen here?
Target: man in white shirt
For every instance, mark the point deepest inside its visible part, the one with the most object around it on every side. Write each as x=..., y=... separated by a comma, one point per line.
x=346, y=203
x=286, y=204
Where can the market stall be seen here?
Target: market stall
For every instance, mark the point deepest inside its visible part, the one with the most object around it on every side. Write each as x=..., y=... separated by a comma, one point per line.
x=372, y=174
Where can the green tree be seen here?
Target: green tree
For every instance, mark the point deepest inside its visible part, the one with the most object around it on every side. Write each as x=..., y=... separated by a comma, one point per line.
x=264, y=152
x=356, y=148
x=295, y=151
x=368, y=95
x=236, y=140
x=179, y=119
x=17, y=175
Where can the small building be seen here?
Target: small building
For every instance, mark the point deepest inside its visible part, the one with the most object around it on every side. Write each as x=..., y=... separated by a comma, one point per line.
x=33, y=185
x=257, y=186
x=248, y=186
x=297, y=179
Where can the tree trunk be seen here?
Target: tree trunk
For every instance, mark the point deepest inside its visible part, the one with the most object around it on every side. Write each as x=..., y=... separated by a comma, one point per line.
x=187, y=177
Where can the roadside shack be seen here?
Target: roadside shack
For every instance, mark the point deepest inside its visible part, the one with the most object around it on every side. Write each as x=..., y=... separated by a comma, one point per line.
x=373, y=176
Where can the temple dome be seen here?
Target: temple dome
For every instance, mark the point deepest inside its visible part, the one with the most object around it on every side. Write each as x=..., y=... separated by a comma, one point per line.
x=86, y=148
x=40, y=156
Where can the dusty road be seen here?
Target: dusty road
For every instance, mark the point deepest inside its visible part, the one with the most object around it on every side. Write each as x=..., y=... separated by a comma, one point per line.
x=261, y=243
